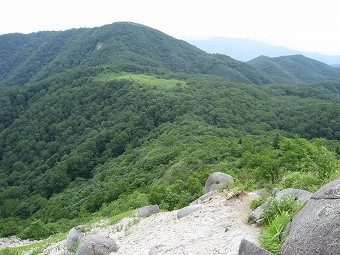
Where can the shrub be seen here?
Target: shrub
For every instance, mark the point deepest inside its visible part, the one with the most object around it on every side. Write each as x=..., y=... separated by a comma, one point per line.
x=36, y=230
x=300, y=180
x=278, y=206
x=276, y=216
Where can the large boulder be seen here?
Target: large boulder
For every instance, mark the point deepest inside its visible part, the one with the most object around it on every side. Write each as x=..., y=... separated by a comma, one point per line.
x=187, y=210
x=216, y=181
x=248, y=248
x=146, y=211
x=73, y=237
x=315, y=230
x=299, y=195
x=96, y=245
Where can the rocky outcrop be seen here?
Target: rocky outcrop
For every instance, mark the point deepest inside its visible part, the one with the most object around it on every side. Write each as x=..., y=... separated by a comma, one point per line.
x=187, y=210
x=217, y=181
x=315, y=230
x=96, y=245
x=146, y=211
x=203, y=197
x=73, y=237
x=248, y=248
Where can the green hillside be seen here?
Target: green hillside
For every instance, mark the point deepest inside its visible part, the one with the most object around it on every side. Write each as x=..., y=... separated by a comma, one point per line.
x=295, y=68
x=77, y=142
x=113, y=118
x=35, y=56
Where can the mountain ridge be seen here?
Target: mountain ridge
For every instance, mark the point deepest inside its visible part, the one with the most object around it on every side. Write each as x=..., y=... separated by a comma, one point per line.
x=295, y=68
x=47, y=53
x=246, y=49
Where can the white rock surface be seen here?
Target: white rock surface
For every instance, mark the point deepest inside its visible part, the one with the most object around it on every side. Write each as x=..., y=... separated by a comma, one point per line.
x=217, y=227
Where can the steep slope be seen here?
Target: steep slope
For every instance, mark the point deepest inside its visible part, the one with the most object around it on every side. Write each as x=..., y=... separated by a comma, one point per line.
x=78, y=140
x=295, y=68
x=35, y=56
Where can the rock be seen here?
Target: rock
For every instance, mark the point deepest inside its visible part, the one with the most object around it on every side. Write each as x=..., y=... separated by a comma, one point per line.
x=274, y=192
x=146, y=211
x=217, y=181
x=286, y=231
x=248, y=248
x=255, y=215
x=187, y=210
x=316, y=228
x=156, y=249
x=299, y=195
x=73, y=236
x=202, y=198
x=96, y=245
x=330, y=191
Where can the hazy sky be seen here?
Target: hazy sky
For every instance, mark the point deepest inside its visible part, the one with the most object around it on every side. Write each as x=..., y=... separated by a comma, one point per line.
x=309, y=25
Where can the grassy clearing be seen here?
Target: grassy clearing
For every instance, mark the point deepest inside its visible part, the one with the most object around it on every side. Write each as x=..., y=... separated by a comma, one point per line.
x=142, y=79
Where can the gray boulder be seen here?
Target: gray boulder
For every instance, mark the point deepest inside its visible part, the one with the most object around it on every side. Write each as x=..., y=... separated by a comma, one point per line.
x=96, y=245
x=255, y=215
x=74, y=236
x=248, y=248
x=315, y=230
x=187, y=210
x=330, y=191
x=217, y=181
x=146, y=211
x=203, y=197
x=300, y=195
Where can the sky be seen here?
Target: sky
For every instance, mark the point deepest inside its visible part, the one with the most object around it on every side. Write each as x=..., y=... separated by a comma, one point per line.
x=305, y=25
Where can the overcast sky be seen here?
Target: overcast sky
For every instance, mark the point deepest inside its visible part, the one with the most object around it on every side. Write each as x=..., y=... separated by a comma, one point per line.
x=309, y=25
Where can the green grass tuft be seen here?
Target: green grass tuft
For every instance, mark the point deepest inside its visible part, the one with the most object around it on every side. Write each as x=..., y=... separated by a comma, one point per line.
x=270, y=238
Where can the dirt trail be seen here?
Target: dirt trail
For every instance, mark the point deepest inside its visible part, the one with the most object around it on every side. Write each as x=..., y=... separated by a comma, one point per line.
x=216, y=228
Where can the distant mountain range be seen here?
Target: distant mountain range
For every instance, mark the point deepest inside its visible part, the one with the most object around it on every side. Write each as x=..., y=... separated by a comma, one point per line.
x=245, y=50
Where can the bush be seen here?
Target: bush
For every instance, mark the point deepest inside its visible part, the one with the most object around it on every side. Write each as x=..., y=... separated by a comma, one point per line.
x=36, y=230
x=300, y=180
x=278, y=206
x=276, y=216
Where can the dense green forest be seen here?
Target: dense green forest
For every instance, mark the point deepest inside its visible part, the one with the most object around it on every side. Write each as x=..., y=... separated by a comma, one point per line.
x=295, y=68
x=90, y=133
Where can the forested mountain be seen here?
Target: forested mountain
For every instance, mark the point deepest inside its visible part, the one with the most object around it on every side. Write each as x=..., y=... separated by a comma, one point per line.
x=246, y=50
x=38, y=55
x=123, y=121
x=295, y=68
